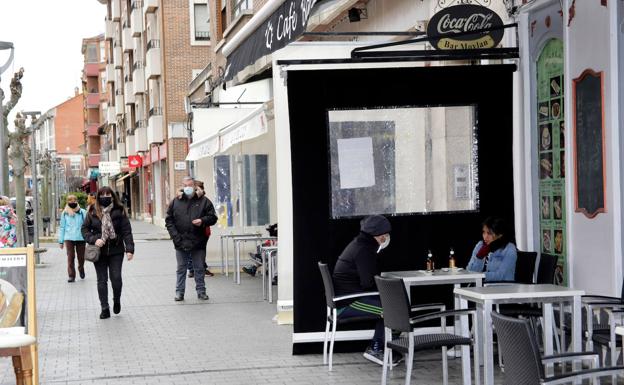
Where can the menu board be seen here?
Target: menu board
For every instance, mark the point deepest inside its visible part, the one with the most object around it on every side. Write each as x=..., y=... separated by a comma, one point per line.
x=588, y=144
x=551, y=133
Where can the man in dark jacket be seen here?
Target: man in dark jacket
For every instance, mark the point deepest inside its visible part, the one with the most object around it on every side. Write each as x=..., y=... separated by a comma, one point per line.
x=355, y=273
x=187, y=218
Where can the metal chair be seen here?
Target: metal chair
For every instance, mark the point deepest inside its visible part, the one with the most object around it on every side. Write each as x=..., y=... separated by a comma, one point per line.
x=524, y=365
x=397, y=318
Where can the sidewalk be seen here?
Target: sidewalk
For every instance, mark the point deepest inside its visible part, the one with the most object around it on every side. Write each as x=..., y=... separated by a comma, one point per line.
x=231, y=339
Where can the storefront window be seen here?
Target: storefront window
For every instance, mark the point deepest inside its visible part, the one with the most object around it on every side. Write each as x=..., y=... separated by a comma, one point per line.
x=242, y=188
x=551, y=131
x=403, y=160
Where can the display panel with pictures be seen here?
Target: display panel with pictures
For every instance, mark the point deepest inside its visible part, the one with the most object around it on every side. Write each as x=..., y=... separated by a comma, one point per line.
x=403, y=160
x=551, y=134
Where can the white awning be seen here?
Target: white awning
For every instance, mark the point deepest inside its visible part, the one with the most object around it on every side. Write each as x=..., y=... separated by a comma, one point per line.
x=251, y=125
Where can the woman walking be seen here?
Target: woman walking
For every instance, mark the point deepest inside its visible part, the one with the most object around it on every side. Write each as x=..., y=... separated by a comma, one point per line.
x=70, y=237
x=108, y=227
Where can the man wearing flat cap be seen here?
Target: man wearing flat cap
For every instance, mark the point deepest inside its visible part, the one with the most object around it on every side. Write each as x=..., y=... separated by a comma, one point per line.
x=355, y=273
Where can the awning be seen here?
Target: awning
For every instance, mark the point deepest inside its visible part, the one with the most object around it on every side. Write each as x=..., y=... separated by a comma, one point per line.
x=129, y=175
x=248, y=127
x=274, y=32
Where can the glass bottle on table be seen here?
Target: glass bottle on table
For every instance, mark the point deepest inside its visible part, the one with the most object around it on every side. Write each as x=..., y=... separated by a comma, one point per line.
x=452, y=259
x=430, y=263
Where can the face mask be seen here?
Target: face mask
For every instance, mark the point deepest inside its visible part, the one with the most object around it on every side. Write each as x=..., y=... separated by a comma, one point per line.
x=384, y=244
x=189, y=191
x=73, y=205
x=105, y=201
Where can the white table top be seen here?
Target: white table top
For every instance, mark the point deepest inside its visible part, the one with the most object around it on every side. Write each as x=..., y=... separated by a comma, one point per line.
x=253, y=238
x=268, y=248
x=437, y=275
x=517, y=291
x=239, y=235
x=619, y=330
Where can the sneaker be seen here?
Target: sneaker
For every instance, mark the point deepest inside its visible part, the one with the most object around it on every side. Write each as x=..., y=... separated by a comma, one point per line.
x=191, y=274
x=202, y=296
x=209, y=273
x=250, y=270
x=179, y=297
x=374, y=355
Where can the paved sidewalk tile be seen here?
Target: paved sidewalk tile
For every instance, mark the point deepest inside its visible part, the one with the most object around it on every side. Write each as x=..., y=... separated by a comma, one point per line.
x=230, y=339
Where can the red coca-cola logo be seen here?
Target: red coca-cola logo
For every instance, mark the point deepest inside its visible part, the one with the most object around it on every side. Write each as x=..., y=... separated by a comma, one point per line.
x=461, y=19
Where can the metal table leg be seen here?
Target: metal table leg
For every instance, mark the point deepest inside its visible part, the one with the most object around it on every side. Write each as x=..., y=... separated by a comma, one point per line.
x=465, y=349
x=270, y=279
x=237, y=245
x=221, y=250
x=488, y=348
x=227, y=256
x=264, y=258
x=547, y=314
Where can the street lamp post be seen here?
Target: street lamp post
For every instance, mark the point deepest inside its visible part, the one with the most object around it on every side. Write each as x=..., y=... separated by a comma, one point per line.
x=4, y=164
x=34, y=172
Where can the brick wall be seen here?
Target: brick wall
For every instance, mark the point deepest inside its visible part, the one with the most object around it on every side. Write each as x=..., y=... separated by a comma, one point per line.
x=69, y=126
x=178, y=148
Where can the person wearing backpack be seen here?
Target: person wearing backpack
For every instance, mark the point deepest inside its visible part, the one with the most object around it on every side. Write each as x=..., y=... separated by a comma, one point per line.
x=70, y=237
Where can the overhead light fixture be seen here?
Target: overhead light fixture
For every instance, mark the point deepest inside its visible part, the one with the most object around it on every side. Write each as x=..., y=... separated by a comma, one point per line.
x=357, y=14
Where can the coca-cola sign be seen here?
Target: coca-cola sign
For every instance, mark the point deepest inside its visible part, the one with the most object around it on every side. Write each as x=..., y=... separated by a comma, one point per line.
x=462, y=19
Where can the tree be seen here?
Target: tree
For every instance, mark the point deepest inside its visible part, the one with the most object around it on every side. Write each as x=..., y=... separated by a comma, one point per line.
x=19, y=152
x=16, y=94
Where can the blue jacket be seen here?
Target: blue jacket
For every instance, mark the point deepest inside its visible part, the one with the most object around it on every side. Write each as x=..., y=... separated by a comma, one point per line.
x=70, y=229
x=501, y=264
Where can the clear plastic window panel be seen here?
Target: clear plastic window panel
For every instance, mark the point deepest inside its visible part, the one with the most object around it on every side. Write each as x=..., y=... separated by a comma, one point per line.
x=403, y=160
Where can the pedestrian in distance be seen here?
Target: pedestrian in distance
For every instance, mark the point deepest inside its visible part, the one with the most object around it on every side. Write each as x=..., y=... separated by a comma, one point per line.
x=108, y=227
x=8, y=223
x=188, y=216
x=70, y=237
x=200, y=190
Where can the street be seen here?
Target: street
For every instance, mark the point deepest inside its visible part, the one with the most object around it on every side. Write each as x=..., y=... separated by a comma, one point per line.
x=231, y=339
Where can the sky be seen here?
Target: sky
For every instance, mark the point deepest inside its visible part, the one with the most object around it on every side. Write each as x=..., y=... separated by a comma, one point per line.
x=47, y=35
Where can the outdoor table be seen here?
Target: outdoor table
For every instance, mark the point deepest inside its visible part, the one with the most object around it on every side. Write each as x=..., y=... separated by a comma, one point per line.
x=268, y=253
x=225, y=265
x=245, y=238
x=486, y=297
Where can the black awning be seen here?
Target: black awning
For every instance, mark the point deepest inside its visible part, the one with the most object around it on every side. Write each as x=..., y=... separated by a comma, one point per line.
x=285, y=25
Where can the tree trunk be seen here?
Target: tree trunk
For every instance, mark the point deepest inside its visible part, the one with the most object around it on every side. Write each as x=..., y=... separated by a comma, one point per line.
x=21, y=209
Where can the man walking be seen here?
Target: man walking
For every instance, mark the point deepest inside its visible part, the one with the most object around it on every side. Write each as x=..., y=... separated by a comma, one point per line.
x=187, y=218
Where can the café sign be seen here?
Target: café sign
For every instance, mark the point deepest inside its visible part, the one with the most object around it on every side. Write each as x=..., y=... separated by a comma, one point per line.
x=461, y=19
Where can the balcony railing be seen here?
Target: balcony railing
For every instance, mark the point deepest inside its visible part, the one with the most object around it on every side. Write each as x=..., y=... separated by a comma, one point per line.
x=153, y=43
x=140, y=124
x=202, y=35
x=137, y=65
x=155, y=111
x=137, y=4
x=127, y=78
x=240, y=6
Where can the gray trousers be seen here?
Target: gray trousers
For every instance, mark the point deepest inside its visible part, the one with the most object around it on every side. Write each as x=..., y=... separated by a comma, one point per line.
x=197, y=256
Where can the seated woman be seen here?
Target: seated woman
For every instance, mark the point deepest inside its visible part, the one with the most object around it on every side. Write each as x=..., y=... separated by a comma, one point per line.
x=495, y=254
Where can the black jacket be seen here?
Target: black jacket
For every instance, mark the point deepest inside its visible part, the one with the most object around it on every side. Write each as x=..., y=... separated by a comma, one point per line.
x=357, y=266
x=92, y=231
x=180, y=215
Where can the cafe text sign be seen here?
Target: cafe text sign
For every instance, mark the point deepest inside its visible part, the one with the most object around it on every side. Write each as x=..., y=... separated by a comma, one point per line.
x=462, y=19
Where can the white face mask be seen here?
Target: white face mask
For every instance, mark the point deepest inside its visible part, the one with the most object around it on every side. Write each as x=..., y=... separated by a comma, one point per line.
x=189, y=191
x=384, y=244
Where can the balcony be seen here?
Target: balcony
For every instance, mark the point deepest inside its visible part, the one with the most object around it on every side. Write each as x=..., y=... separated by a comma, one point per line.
x=155, y=126
x=150, y=5
x=92, y=129
x=121, y=149
x=113, y=156
x=129, y=92
x=138, y=78
x=110, y=72
x=93, y=100
x=130, y=145
x=120, y=107
x=94, y=160
x=126, y=38
x=111, y=116
x=136, y=17
x=152, y=59
x=116, y=9
x=140, y=137
x=117, y=54
x=110, y=29
x=92, y=69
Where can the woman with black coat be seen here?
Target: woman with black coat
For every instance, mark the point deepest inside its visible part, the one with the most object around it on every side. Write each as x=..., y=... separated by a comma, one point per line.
x=108, y=227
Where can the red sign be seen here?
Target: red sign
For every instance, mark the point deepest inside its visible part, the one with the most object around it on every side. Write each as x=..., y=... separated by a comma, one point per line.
x=135, y=161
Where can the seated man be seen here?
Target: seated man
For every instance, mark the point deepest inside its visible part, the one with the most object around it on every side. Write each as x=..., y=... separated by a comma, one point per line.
x=355, y=272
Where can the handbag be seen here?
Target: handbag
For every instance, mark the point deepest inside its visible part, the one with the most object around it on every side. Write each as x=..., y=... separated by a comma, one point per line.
x=92, y=253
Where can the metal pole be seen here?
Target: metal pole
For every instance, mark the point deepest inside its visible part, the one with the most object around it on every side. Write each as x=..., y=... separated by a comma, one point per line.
x=3, y=153
x=35, y=189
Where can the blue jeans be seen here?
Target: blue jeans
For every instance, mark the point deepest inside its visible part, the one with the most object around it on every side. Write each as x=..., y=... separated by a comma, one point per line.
x=197, y=256
x=362, y=307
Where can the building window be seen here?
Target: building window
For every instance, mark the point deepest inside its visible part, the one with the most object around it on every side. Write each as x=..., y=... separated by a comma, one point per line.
x=202, y=21
x=102, y=51
x=92, y=53
x=224, y=23
x=241, y=5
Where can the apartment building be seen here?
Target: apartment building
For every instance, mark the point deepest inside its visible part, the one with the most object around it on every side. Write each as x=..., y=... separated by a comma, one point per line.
x=95, y=99
x=155, y=48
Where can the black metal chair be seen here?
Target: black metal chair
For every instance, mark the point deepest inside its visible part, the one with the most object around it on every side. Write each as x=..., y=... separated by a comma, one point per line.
x=525, y=266
x=524, y=365
x=332, y=314
x=397, y=318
